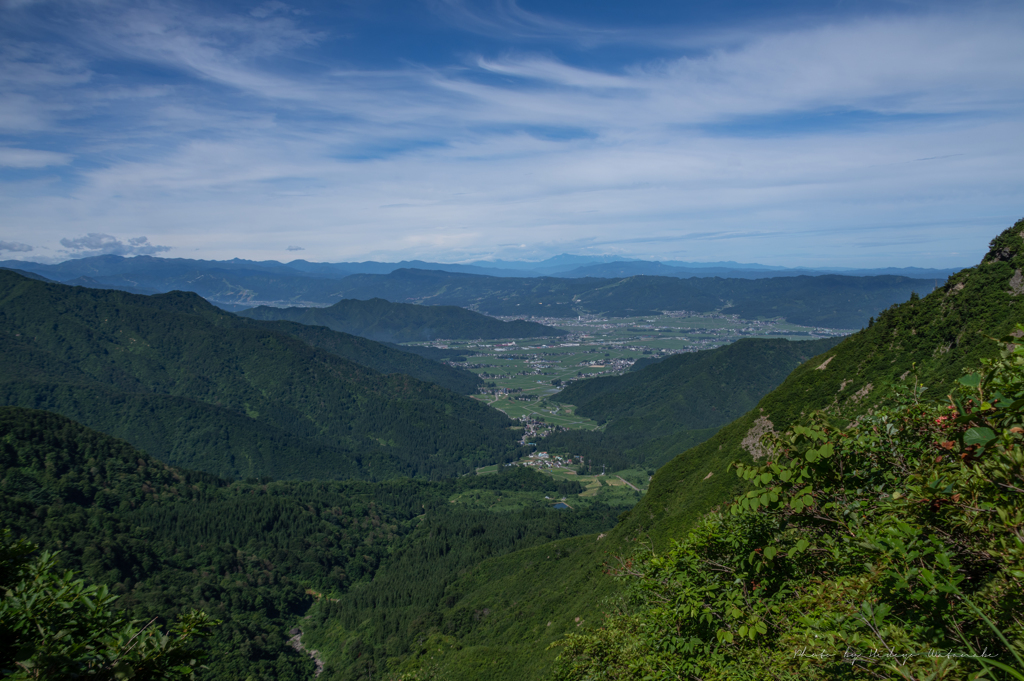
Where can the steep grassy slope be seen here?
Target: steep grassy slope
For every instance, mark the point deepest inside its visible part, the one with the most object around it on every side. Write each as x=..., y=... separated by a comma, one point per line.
x=932, y=339
x=929, y=340
x=199, y=387
x=900, y=528
x=402, y=323
x=830, y=300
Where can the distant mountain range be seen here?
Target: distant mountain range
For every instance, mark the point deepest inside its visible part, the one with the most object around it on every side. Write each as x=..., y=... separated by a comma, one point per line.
x=738, y=271
x=583, y=286
x=144, y=271
x=831, y=301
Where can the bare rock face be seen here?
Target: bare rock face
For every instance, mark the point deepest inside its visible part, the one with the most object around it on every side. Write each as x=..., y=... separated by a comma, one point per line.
x=1017, y=284
x=752, y=442
x=1001, y=254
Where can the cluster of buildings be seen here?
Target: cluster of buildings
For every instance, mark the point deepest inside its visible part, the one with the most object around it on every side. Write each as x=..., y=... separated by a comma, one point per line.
x=545, y=460
x=535, y=428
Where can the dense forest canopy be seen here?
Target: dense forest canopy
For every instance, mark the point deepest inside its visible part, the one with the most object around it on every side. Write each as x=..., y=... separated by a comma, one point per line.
x=199, y=387
x=255, y=554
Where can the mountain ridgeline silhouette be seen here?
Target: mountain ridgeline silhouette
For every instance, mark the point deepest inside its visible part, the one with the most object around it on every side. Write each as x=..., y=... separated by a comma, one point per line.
x=381, y=320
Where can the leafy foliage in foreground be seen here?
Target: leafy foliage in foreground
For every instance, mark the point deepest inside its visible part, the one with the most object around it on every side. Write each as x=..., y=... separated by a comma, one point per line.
x=402, y=322
x=55, y=626
x=891, y=548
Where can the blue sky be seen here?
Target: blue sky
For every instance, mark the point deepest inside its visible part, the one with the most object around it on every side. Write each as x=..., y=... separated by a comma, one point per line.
x=847, y=133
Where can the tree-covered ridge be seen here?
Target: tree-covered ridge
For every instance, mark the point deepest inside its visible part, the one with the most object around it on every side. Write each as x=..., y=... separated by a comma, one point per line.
x=381, y=320
x=376, y=630
x=423, y=363
x=887, y=549
x=829, y=300
x=199, y=387
x=667, y=407
x=253, y=554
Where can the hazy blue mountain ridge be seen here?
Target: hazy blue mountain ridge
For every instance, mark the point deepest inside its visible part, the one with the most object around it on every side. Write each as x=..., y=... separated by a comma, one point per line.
x=828, y=301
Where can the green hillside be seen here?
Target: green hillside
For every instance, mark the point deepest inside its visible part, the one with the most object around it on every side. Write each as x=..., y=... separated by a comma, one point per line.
x=667, y=407
x=423, y=363
x=198, y=387
x=254, y=554
x=403, y=323
x=932, y=338
x=829, y=300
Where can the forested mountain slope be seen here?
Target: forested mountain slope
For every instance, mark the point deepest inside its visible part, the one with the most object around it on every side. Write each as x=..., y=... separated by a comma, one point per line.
x=253, y=554
x=829, y=301
x=931, y=340
x=385, y=358
x=381, y=320
x=198, y=387
x=666, y=407
x=686, y=388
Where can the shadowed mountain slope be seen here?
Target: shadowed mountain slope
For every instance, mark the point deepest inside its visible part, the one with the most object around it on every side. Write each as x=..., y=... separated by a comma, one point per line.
x=381, y=320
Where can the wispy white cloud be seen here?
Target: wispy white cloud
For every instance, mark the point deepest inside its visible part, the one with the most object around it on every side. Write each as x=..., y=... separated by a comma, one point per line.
x=12, y=157
x=826, y=133
x=505, y=18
